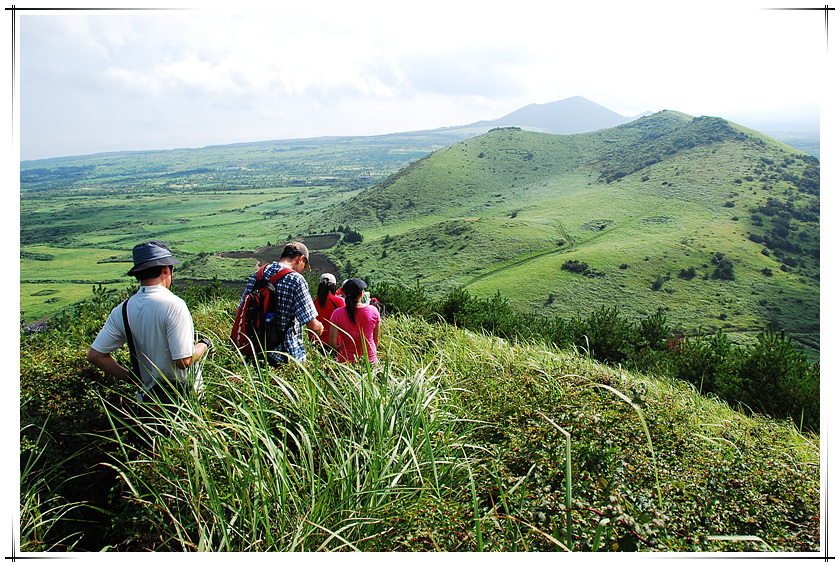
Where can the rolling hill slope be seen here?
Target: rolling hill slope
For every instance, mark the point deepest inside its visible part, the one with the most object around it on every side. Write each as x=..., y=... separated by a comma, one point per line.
x=646, y=212
x=715, y=223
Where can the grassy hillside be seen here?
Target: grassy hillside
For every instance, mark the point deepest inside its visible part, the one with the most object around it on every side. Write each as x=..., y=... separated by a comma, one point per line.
x=80, y=216
x=660, y=212
x=715, y=223
x=458, y=442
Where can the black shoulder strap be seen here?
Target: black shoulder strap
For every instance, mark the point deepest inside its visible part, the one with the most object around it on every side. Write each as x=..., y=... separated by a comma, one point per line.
x=275, y=279
x=130, y=340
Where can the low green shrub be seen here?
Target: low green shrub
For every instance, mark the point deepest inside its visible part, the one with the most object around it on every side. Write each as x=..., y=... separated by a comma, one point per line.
x=707, y=363
x=776, y=378
x=609, y=337
x=400, y=299
x=770, y=376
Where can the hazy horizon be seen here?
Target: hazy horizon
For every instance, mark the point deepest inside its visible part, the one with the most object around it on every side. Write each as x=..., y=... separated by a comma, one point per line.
x=112, y=81
x=802, y=119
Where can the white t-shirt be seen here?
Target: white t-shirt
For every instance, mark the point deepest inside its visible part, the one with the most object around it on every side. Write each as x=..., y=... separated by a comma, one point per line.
x=162, y=328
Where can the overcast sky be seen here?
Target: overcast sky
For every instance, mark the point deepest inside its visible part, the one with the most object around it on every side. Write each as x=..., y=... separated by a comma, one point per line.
x=114, y=80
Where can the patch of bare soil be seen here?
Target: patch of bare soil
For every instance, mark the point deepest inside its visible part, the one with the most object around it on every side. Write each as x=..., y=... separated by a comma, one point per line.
x=318, y=261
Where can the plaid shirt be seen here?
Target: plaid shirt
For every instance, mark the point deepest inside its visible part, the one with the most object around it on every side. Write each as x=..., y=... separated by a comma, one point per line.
x=293, y=300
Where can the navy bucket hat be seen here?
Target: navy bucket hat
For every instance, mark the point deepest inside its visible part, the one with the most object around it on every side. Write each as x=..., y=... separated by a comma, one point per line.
x=150, y=254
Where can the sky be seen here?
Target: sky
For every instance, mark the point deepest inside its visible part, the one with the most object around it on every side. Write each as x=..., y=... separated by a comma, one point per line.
x=111, y=80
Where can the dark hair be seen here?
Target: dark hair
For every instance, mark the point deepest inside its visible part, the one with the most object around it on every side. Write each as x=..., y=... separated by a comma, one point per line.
x=295, y=249
x=325, y=288
x=290, y=253
x=353, y=289
x=350, y=303
x=149, y=273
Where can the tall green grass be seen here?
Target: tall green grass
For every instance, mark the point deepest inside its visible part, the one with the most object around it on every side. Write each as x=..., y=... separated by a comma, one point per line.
x=445, y=445
x=301, y=459
x=42, y=508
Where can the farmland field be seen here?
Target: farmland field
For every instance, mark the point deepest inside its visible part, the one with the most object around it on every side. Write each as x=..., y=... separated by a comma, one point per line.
x=95, y=237
x=649, y=208
x=80, y=216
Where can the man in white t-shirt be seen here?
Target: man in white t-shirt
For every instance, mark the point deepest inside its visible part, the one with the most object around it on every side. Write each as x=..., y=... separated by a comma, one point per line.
x=161, y=328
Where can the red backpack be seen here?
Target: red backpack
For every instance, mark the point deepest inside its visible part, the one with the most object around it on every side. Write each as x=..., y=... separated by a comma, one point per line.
x=255, y=327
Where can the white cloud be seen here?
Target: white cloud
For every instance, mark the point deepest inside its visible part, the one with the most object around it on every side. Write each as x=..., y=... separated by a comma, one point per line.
x=132, y=84
x=425, y=65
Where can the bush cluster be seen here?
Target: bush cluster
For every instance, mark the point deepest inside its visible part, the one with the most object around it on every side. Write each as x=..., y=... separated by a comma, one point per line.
x=578, y=267
x=770, y=375
x=350, y=235
x=724, y=269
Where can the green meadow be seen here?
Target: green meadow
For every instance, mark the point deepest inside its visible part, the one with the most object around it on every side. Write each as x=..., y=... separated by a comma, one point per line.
x=506, y=211
x=650, y=208
x=512, y=265
x=92, y=235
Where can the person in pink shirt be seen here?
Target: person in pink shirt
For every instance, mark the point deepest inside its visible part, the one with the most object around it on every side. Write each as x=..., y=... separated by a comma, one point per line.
x=352, y=321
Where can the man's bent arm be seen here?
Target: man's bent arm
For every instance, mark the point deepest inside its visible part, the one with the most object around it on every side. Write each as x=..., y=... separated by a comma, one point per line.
x=106, y=363
x=315, y=326
x=184, y=363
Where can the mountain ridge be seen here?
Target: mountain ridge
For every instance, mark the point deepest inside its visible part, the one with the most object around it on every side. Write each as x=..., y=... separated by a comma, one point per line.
x=572, y=115
x=651, y=208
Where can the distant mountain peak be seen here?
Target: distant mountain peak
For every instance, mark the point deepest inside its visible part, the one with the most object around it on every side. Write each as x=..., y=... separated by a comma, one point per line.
x=573, y=115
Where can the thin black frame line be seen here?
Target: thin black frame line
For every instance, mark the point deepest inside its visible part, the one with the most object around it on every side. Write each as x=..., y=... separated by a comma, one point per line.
x=825, y=9
x=15, y=557
x=14, y=35
x=87, y=9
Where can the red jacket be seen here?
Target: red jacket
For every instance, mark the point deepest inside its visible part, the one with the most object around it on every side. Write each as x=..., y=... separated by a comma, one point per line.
x=324, y=314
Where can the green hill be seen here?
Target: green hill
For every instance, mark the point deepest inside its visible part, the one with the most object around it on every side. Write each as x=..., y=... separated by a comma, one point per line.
x=80, y=216
x=715, y=223
x=460, y=441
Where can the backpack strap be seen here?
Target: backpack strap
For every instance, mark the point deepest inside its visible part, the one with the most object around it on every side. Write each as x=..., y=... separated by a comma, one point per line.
x=130, y=340
x=274, y=279
x=279, y=275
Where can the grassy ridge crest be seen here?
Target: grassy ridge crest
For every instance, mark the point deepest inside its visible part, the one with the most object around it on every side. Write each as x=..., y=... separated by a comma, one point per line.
x=642, y=203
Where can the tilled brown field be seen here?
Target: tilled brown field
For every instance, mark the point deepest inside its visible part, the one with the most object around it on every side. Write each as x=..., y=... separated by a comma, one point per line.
x=319, y=261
